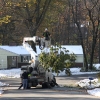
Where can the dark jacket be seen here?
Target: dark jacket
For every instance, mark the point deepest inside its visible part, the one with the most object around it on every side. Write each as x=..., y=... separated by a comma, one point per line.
x=25, y=75
x=46, y=34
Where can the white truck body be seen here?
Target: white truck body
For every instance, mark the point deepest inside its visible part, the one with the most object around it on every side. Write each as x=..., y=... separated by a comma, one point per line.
x=38, y=75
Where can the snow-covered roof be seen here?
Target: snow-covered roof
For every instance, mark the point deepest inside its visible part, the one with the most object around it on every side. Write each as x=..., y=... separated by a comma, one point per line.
x=20, y=50
x=76, y=49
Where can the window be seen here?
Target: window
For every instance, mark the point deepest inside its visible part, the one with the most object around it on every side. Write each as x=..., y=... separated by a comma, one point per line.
x=25, y=58
x=14, y=60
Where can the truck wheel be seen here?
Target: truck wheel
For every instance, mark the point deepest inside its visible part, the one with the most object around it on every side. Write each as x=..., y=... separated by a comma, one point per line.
x=44, y=85
x=52, y=84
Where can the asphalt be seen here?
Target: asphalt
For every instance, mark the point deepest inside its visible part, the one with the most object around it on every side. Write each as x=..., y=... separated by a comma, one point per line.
x=66, y=91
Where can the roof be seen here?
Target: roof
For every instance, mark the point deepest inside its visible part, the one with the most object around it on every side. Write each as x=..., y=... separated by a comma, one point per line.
x=20, y=50
x=76, y=49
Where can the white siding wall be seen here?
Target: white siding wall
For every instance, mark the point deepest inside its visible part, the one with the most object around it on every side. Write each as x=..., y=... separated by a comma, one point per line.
x=79, y=59
x=3, y=58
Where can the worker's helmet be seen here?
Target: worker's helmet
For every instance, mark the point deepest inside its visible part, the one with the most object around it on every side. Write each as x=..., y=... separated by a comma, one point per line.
x=46, y=29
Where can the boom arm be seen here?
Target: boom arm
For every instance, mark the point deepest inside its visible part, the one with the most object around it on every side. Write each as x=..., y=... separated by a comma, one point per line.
x=34, y=55
x=35, y=39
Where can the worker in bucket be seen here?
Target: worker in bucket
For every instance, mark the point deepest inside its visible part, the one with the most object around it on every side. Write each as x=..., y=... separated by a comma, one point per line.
x=46, y=34
x=47, y=39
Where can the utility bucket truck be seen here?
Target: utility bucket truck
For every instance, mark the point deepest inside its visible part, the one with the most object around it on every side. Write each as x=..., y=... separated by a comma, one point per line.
x=37, y=73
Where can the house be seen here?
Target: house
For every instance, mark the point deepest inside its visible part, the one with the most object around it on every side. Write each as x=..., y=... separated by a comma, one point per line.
x=76, y=49
x=13, y=56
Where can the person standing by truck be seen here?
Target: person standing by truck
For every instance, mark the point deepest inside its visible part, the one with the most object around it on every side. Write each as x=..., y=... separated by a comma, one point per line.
x=25, y=79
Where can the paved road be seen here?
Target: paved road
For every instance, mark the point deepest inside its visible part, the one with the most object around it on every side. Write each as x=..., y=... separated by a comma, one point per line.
x=56, y=93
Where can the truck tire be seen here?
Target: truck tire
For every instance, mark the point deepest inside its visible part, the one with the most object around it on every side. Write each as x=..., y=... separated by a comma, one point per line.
x=44, y=85
x=53, y=83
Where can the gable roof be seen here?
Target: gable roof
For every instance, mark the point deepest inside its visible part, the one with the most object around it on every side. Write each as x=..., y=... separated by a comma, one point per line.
x=76, y=49
x=20, y=50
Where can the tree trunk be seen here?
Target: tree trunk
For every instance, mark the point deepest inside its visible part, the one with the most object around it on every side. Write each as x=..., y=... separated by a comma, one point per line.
x=92, y=52
x=81, y=40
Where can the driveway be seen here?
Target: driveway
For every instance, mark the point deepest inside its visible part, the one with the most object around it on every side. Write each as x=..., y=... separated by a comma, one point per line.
x=56, y=93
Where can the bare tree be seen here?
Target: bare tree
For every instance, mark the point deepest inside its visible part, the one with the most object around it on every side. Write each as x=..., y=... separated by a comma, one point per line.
x=78, y=18
x=30, y=12
x=93, y=9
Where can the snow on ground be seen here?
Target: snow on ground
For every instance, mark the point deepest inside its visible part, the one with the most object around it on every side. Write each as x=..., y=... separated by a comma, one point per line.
x=95, y=92
x=15, y=73
x=1, y=87
x=11, y=73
